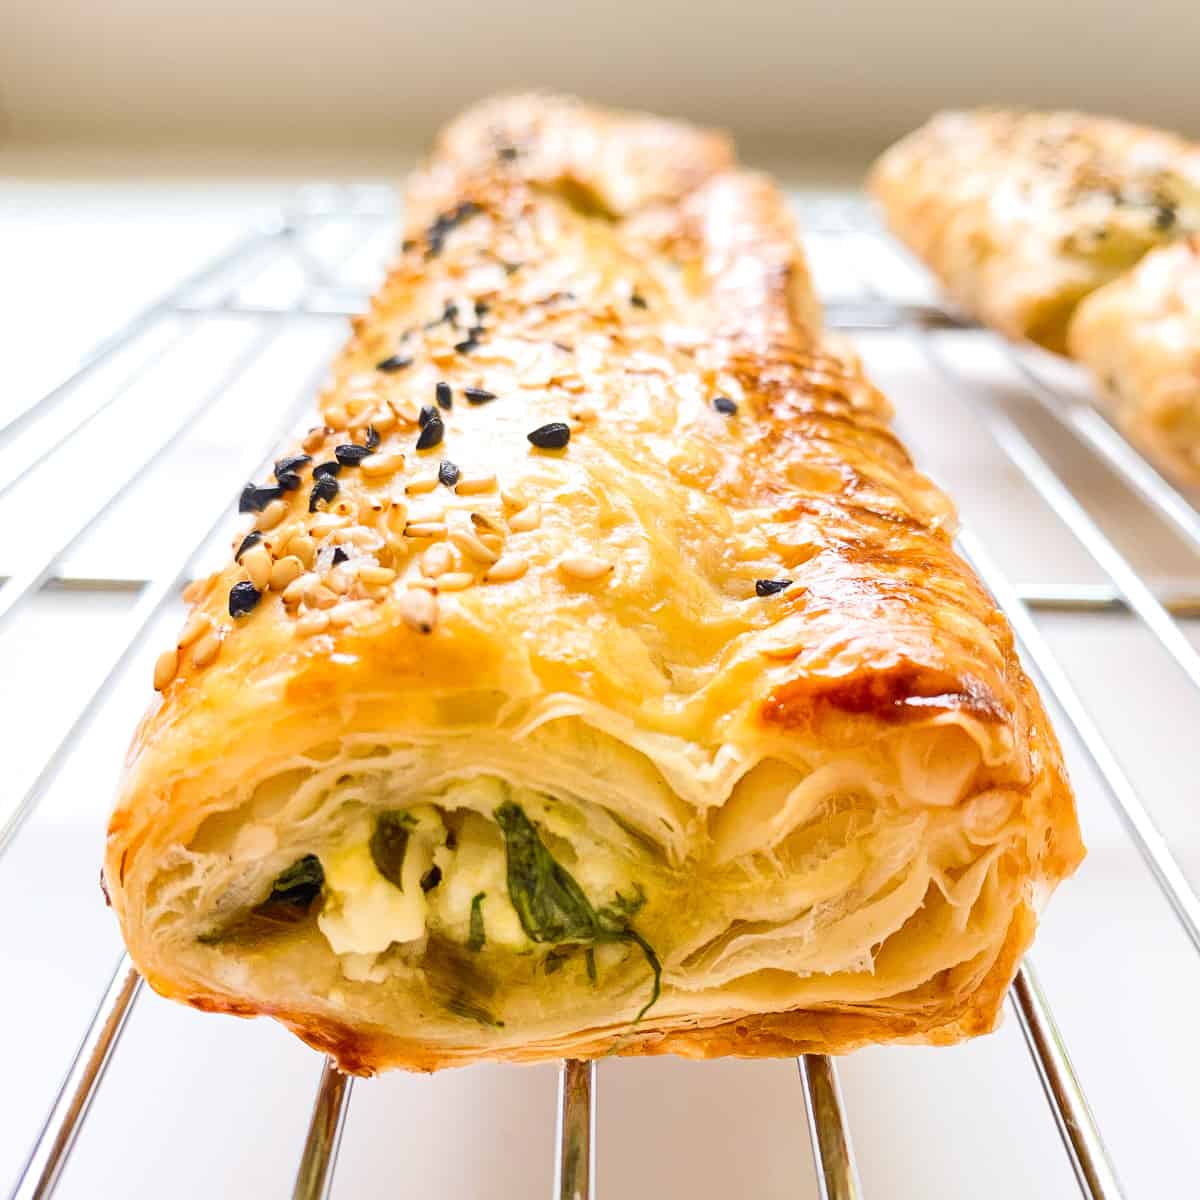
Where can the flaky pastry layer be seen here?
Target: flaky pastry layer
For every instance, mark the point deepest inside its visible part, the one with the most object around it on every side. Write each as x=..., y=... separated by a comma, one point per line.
x=602, y=677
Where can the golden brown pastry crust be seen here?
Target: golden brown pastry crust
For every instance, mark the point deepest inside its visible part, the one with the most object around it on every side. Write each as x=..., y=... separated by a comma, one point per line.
x=1139, y=336
x=1022, y=214
x=619, y=274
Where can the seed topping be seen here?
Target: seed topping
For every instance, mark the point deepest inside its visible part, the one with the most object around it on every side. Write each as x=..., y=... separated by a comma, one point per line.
x=553, y=436
x=166, y=667
x=350, y=455
x=393, y=363
x=431, y=433
x=324, y=490
x=769, y=587
x=427, y=413
x=255, y=499
x=445, y=397
x=321, y=470
x=243, y=597
x=476, y=395
x=447, y=473
x=725, y=406
x=251, y=539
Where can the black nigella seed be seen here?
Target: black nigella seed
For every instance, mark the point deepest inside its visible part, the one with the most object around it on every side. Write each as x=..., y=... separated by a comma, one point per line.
x=325, y=488
x=431, y=434
x=251, y=539
x=506, y=153
x=445, y=397
x=289, y=465
x=465, y=346
x=481, y=309
x=242, y=598
x=768, y=587
x=550, y=437
x=395, y=362
x=339, y=555
x=372, y=438
x=407, y=245
x=637, y=300
x=431, y=878
x=288, y=480
x=478, y=395
x=725, y=406
x=447, y=473
x=350, y=455
x=1164, y=216
x=427, y=413
x=255, y=498
x=326, y=470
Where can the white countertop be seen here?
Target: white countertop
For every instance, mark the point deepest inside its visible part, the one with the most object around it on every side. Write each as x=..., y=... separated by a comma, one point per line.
x=197, y=1106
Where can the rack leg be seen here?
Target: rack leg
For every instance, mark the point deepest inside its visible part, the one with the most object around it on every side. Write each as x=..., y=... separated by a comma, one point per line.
x=828, y=1130
x=314, y=1177
x=575, y=1176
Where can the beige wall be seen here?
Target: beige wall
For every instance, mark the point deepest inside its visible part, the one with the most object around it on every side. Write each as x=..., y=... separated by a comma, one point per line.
x=798, y=77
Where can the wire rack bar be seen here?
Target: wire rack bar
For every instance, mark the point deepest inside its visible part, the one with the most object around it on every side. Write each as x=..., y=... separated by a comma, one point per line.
x=314, y=1176
x=1062, y=502
x=136, y=326
x=575, y=1167
x=42, y=1169
x=1076, y=1126
x=828, y=1129
x=1138, y=823
x=1086, y=423
x=29, y=579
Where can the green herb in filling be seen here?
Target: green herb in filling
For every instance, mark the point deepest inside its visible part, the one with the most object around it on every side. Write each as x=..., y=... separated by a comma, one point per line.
x=389, y=844
x=458, y=982
x=477, y=937
x=290, y=900
x=553, y=908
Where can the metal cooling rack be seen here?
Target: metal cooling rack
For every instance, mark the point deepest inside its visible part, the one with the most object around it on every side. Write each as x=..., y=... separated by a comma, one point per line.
x=305, y=257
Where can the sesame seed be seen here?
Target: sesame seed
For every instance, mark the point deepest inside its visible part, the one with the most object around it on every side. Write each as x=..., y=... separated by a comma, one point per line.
x=725, y=406
x=769, y=587
x=445, y=397
x=243, y=596
x=419, y=487
x=303, y=548
x=437, y=560
x=292, y=463
x=432, y=433
x=476, y=395
x=285, y=571
x=255, y=498
x=379, y=465
x=366, y=539
x=485, y=523
x=418, y=610
x=375, y=576
x=447, y=473
x=325, y=488
x=393, y=363
x=350, y=455
x=314, y=439
x=506, y=568
x=427, y=413
x=473, y=485
x=584, y=567
x=194, y=627
x=530, y=517
x=317, y=595
x=271, y=515
x=251, y=539
x=257, y=564
x=469, y=543
x=312, y=623
x=326, y=469
x=553, y=436
x=294, y=592
x=166, y=667
x=425, y=529
x=206, y=649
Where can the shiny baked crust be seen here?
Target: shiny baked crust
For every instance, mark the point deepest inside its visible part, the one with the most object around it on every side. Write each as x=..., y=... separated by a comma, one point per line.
x=840, y=799
x=1022, y=214
x=1139, y=336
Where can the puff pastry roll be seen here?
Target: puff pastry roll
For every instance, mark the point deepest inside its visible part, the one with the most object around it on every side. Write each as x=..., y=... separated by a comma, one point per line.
x=1140, y=338
x=597, y=676
x=1022, y=214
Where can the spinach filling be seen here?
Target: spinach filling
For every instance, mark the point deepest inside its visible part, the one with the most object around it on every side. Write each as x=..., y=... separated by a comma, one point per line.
x=552, y=907
x=389, y=845
x=290, y=900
